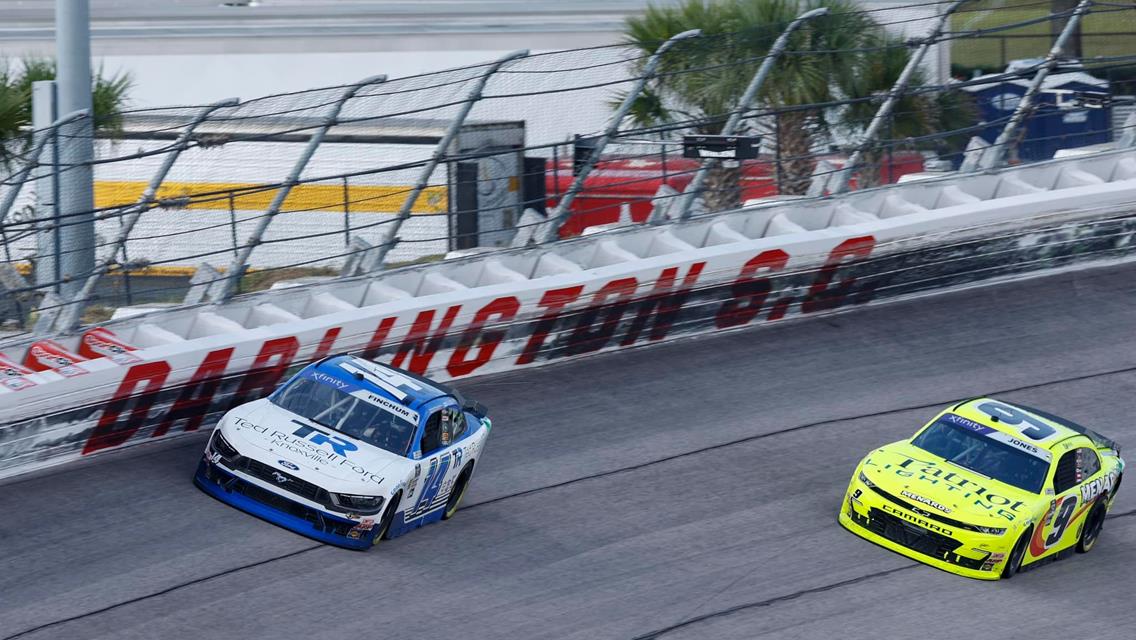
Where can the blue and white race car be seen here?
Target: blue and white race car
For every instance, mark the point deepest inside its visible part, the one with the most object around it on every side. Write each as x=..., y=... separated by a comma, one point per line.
x=348, y=452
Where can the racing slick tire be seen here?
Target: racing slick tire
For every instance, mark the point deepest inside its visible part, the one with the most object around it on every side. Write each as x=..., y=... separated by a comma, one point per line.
x=387, y=519
x=1014, y=562
x=1093, y=525
x=458, y=493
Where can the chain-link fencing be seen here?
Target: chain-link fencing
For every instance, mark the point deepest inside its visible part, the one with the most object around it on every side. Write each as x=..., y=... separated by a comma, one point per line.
x=203, y=202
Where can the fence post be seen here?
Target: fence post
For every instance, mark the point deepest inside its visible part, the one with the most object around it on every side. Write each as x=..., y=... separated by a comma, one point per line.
x=995, y=154
x=373, y=257
x=694, y=189
x=69, y=318
x=840, y=184
x=563, y=209
x=39, y=141
x=237, y=269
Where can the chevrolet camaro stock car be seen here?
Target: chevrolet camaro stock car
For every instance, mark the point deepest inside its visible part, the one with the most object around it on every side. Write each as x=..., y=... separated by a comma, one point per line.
x=986, y=488
x=348, y=452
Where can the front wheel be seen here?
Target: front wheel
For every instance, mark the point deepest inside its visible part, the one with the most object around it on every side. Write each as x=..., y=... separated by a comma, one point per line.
x=1017, y=555
x=1093, y=525
x=385, y=522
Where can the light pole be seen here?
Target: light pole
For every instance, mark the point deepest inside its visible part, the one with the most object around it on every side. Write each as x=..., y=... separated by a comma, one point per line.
x=74, y=175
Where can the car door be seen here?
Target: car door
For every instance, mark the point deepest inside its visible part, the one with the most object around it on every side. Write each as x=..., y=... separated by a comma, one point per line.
x=1064, y=518
x=439, y=463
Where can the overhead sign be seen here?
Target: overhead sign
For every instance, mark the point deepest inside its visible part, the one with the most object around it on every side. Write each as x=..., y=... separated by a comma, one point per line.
x=725, y=147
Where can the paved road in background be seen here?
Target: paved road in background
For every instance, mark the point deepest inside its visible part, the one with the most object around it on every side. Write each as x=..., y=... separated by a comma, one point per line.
x=682, y=491
x=33, y=19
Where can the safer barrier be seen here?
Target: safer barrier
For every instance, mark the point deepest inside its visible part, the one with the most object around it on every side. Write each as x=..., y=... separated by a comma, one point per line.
x=168, y=373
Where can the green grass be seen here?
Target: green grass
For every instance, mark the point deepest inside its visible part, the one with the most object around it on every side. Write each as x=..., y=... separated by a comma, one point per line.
x=991, y=52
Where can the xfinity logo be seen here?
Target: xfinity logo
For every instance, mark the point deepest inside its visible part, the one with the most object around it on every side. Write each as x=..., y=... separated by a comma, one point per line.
x=331, y=380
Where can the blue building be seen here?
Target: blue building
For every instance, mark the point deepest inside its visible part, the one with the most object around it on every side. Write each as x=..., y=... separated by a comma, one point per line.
x=1069, y=110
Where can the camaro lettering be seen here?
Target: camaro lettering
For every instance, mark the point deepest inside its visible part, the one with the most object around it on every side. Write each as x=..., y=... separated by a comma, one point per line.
x=926, y=501
x=926, y=524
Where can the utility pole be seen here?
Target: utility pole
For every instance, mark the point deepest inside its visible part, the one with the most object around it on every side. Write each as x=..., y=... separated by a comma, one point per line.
x=76, y=231
x=1073, y=47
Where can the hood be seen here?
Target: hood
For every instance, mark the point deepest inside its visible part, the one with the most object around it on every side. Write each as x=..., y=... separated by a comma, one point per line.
x=330, y=459
x=937, y=486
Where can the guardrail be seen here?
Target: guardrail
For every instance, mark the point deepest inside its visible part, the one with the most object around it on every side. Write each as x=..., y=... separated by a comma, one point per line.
x=166, y=373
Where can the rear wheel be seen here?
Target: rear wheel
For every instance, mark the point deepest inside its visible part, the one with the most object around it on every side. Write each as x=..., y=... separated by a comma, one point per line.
x=456, y=495
x=388, y=517
x=1093, y=525
x=1017, y=555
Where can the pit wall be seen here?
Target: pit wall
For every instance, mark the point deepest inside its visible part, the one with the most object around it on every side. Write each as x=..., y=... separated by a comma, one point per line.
x=167, y=373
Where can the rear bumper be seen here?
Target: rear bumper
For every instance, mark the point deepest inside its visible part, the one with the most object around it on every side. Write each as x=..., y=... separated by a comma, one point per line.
x=279, y=510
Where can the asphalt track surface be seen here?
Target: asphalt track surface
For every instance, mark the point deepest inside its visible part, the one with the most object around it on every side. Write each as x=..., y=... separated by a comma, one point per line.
x=688, y=490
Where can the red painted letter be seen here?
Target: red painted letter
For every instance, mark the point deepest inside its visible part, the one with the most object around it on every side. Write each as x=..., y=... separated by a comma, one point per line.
x=375, y=345
x=667, y=299
x=197, y=395
x=750, y=291
x=416, y=343
x=150, y=376
x=267, y=369
x=584, y=338
x=325, y=345
x=504, y=309
x=554, y=301
x=823, y=297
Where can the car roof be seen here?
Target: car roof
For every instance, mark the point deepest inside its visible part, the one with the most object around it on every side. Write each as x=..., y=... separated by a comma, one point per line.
x=1064, y=428
x=402, y=386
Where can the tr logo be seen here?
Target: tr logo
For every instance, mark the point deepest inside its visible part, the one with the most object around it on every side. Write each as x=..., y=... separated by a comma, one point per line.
x=337, y=444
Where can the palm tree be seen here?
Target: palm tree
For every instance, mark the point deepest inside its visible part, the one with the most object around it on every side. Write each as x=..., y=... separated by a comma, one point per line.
x=834, y=57
x=108, y=98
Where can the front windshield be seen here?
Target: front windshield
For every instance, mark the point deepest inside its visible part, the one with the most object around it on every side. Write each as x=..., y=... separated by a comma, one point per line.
x=985, y=455
x=338, y=410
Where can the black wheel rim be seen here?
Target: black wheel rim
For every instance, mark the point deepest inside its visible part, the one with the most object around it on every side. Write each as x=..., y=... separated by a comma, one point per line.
x=1095, y=526
x=385, y=523
x=1019, y=555
x=456, y=495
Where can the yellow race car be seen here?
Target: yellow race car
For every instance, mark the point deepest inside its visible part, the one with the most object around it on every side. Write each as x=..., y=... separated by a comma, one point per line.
x=985, y=489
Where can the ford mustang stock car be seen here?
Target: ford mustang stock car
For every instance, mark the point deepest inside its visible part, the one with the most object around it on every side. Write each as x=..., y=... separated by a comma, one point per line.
x=348, y=452
x=985, y=489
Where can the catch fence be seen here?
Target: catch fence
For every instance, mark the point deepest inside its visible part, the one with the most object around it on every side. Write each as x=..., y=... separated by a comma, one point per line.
x=203, y=202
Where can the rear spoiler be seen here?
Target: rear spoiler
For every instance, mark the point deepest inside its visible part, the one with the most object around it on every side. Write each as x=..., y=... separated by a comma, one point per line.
x=1099, y=441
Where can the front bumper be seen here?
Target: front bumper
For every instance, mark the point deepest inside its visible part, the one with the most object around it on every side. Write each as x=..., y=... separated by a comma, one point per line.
x=276, y=508
x=957, y=553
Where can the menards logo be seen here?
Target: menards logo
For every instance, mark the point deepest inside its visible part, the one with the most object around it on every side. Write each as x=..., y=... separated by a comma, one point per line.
x=926, y=501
